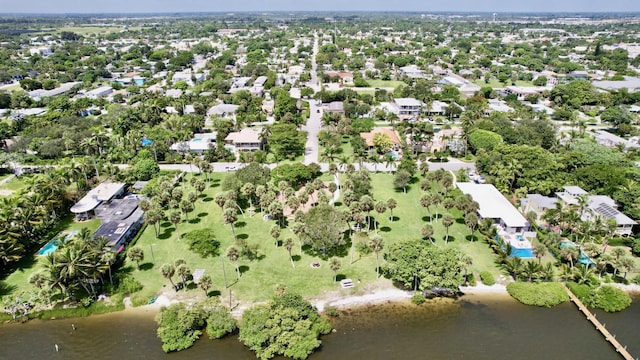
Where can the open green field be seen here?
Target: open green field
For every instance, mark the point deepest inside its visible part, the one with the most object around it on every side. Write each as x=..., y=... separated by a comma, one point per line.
x=377, y=83
x=260, y=277
x=87, y=30
x=494, y=83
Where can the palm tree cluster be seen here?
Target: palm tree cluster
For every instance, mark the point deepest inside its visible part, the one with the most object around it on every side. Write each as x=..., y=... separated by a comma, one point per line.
x=590, y=238
x=26, y=217
x=436, y=185
x=78, y=266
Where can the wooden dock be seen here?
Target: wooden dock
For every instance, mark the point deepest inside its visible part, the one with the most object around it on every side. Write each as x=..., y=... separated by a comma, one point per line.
x=622, y=350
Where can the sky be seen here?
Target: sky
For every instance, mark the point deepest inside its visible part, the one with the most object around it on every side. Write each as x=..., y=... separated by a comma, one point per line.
x=155, y=6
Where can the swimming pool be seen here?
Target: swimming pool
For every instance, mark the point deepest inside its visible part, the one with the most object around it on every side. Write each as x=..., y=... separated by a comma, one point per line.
x=51, y=246
x=393, y=154
x=522, y=252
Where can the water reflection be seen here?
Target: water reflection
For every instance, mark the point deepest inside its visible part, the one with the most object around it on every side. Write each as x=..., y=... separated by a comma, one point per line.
x=478, y=327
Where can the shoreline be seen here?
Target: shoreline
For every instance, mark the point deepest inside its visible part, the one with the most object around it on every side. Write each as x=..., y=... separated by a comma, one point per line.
x=369, y=295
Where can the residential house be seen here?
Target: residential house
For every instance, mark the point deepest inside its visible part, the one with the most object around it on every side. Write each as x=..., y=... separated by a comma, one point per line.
x=102, y=91
x=596, y=206
x=413, y=71
x=247, y=139
x=199, y=144
x=345, y=78
x=85, y=208
x=121, y=221
x=494, y=206
x=498, y=105
x=437, y=108
x=368, y=136
x=522, y=91
x=335, y=107
x=408, y=107
x=608, y=139
x=537, y=203
x=223, y=111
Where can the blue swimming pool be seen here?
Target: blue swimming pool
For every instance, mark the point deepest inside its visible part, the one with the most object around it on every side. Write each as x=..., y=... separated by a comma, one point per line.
x=51, y=245
x=522, y=253
x=393, y=154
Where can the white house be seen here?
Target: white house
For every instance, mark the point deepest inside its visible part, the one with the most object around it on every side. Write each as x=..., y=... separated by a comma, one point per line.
x=600, y=206
x=102, y=91
x=494, y=206
x=408, y=107
x=104, y=192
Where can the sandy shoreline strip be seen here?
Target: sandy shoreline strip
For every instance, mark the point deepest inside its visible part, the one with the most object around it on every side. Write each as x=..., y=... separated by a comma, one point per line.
x=370, y=297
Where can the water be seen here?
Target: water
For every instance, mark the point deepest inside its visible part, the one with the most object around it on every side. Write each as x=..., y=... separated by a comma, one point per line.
x=479, y=327
x=51, y=246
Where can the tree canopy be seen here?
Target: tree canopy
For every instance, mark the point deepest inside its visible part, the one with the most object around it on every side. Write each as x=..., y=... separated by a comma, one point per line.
x=288, y=325
x=419, y=265
x=323, y=229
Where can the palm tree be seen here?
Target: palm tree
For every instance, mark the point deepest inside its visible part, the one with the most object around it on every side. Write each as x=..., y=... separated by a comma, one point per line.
x=570, y=253
x=334, y=265
x=583, y=274
x=205, y=283
x=391, y=204
x=465, y=262
x=426, y=200
x=136, y=254
x=539, y=251
x=427, y=232
x=531, y=270
x=471, y=220
x=275, y=233
x=109, y=258
x=174, y=218
x=233, y=253
x=288, y=244
x=513, y=266
x=230, y=216
x=380, y=207
x=447, y=221
x=183, y=272
x=168, y=271
x=376, y=244
x=186, y=207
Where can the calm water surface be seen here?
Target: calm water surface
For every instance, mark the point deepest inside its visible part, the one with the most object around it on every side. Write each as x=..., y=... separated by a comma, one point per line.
x=476, y=327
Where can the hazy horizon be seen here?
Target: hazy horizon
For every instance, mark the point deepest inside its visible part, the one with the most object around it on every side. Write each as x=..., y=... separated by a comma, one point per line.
x=192, y=6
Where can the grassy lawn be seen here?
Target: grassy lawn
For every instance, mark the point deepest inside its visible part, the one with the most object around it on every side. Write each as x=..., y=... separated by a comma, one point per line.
x=11, y=88
x=377, y=83
x=494, y=83
x=18, y=281
x=16, y=184
x=260, y=277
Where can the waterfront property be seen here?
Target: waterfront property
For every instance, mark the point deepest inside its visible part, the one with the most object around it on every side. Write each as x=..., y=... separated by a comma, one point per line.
x=597, y=206
x=85, y=208
x=121, y=220
x=494, y=206
x=512, y=227
x=52, y=245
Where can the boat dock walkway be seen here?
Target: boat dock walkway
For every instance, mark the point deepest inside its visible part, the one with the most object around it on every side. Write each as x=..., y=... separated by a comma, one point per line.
x=622, y=350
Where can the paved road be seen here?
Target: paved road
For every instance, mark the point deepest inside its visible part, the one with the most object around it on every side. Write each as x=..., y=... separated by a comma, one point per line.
x=451, y=165
x=314, y=123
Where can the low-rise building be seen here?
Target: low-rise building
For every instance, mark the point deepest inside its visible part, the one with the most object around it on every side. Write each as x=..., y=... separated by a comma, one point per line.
x=596, y=206
x=197, y=145
x=247, y=139
x=86, y=207
x=408, y=107
x=494, y=206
